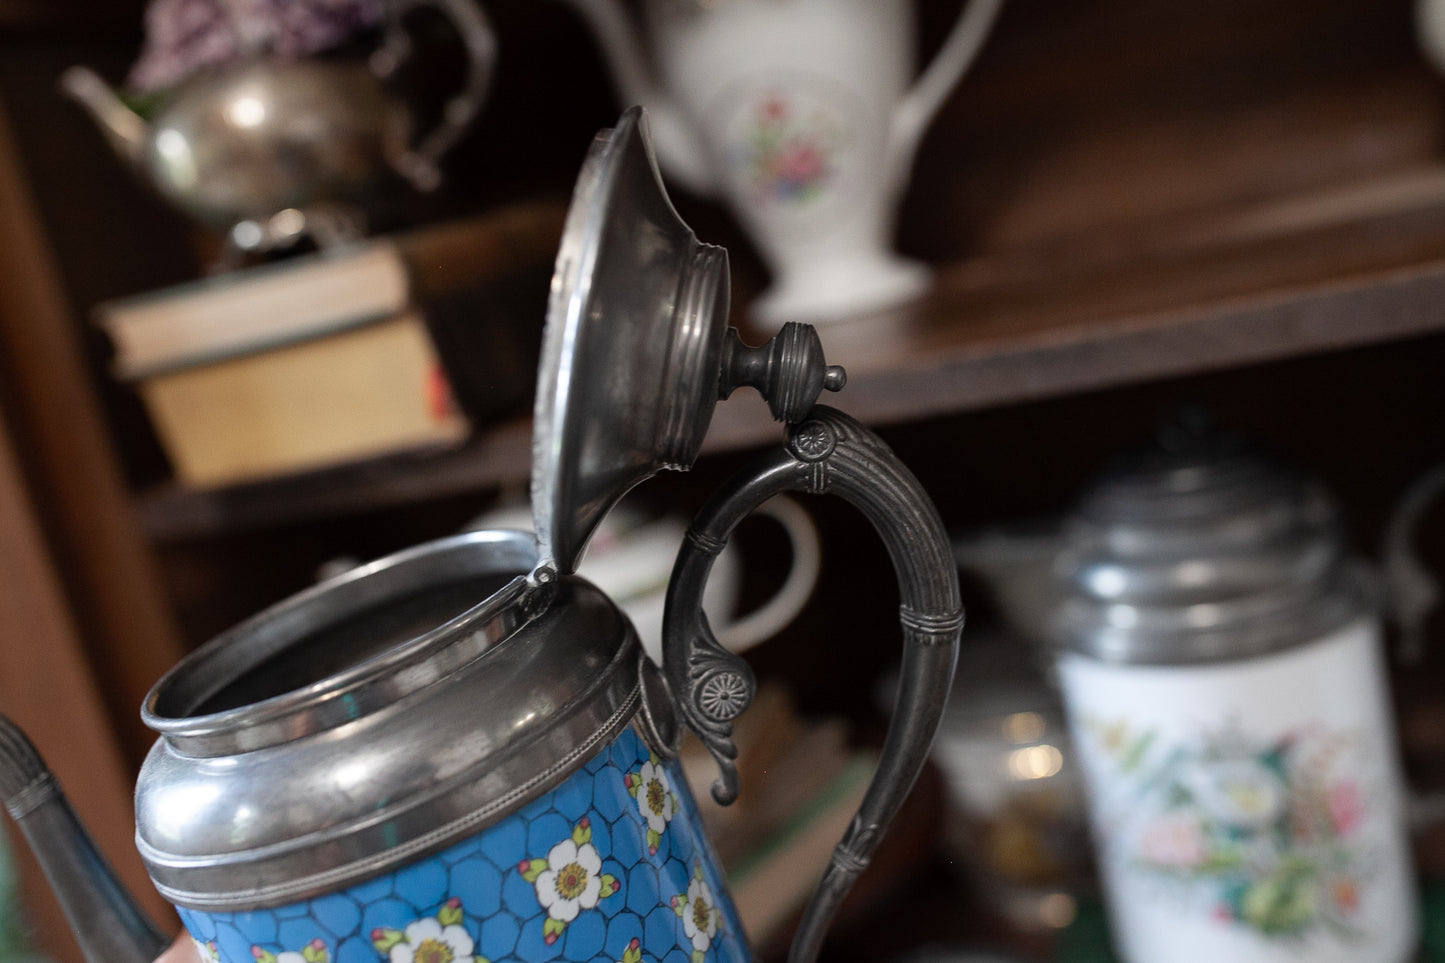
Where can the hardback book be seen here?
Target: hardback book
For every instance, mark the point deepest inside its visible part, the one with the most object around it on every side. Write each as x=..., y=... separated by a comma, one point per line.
x=253, y=309
x=350, y=394
x=384, y=345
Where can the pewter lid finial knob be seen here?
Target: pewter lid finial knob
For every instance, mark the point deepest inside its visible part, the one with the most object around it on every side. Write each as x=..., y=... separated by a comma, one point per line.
x=789, y=371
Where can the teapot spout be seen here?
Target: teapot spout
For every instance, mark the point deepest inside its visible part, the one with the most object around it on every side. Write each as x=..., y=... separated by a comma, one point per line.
x=125, y=130
x=679, y=150
x=108, y=924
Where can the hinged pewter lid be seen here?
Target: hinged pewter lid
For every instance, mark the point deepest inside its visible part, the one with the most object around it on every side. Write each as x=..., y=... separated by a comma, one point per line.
x=1198, y=548
x=632, y=346
x=636, y=350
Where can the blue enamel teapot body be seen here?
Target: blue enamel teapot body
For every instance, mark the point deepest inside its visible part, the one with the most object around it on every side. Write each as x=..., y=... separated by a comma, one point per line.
x=567, y=850
x=461, y=751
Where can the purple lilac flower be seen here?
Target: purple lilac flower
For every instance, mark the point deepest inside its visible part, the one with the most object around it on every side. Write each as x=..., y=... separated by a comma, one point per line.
x=182, y=36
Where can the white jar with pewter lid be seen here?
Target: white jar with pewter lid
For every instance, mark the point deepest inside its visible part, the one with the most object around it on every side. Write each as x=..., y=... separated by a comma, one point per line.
x=1222, y=668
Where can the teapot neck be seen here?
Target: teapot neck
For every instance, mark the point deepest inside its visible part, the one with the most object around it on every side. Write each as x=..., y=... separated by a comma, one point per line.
x=345, y=649
x=127, y=134
x=413, y=715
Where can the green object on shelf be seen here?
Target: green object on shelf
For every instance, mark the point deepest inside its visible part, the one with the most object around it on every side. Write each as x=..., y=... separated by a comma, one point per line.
x=1432, y=913
x=1086, y=940
x=14, y=946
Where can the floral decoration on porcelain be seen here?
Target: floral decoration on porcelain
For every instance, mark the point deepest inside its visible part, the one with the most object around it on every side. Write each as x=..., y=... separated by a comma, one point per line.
x=788, y=154
x=1269, y=830
x=207, y=951
x=569, y=880
x=431, y=939
x=701, y=916
x=656, y=802
x=313, y=952
x=184, y=36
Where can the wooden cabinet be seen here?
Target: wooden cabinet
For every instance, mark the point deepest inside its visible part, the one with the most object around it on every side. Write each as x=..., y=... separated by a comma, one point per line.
x=1130, y=205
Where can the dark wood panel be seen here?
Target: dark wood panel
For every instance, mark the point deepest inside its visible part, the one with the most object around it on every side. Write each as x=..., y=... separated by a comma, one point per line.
x=49, y=687
x=111, y=579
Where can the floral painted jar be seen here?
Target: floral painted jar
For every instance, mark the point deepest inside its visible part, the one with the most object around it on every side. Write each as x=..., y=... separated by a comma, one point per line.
x=1223, y=672
x=461, y=752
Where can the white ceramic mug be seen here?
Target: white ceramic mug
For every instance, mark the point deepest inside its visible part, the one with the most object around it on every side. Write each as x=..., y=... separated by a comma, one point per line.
x=805, y=116
x=630, y=559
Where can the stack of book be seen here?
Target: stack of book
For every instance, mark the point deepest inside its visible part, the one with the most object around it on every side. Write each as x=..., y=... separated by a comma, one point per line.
x=322, y=358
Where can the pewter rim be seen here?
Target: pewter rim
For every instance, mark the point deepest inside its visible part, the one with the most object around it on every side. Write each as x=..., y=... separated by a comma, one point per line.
x=297, y=888
x=702, y=307
x=336, y=840
x=372, y=683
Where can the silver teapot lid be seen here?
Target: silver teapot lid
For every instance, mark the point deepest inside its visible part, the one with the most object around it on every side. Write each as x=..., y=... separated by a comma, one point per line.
x=632, y=346
x=1199, y=547
x=636, y=350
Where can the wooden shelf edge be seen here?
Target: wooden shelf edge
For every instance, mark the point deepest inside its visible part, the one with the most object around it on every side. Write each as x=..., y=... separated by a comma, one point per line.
x=1376, y=309
x=969, y=374
x=495, y=456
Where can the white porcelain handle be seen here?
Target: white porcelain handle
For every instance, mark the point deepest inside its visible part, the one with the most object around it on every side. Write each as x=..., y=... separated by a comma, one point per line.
x=1412, y=591
x=915, y=111
x=673, y=136
x=793, y=594
x=1430, y=31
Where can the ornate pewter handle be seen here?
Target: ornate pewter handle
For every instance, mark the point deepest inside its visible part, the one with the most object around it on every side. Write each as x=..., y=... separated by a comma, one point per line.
x=826, y=452
x=419, y=164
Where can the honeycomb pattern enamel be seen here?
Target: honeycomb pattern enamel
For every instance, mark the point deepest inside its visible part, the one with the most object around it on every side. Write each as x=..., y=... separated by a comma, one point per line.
x=610, y=867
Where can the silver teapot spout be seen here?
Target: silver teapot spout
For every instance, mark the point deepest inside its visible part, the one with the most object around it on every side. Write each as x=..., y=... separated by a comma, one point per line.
x=107, y=923
x=127, y=131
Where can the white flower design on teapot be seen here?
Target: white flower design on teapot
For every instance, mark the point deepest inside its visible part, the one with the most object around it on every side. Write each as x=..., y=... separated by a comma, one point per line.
x=701, y=916
x=431, y=939
x=313, y=952
x=656, y=802
x=569, y=880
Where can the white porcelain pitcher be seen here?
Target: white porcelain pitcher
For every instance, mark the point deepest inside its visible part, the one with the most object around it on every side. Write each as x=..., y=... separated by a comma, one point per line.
x=631, y=557
x=801, y=115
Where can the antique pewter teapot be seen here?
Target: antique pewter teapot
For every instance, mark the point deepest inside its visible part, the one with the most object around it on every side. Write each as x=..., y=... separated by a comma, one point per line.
x=460, y=751
x=270, y=149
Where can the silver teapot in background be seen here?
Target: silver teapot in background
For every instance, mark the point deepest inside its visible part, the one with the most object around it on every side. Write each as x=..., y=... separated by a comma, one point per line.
x=269, y=150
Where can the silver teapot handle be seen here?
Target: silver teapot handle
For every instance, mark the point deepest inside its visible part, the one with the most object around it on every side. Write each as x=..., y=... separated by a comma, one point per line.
x=827, y=451
x=1411, y=592
x=420, y=164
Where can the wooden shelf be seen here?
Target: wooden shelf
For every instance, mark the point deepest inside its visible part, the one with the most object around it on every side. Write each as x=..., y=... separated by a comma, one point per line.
x=973, y=346
x=1137, y=221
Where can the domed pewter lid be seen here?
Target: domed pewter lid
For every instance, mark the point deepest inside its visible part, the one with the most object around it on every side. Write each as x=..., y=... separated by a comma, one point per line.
x=1201, y=548
x=636, y=352
x=632, y=348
